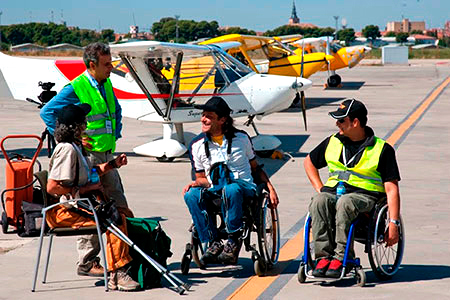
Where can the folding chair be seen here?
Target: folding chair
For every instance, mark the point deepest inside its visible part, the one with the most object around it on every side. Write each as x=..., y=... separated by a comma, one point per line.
x=67, y=231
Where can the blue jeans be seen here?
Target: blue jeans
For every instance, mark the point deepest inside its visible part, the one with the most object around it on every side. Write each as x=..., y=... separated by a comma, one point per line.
x=233, y=196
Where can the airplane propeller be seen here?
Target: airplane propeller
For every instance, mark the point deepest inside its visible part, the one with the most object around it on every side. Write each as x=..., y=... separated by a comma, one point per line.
x=301, y=96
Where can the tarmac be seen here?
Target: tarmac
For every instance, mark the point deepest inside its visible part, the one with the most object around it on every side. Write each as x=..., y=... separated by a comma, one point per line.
x=401, y=100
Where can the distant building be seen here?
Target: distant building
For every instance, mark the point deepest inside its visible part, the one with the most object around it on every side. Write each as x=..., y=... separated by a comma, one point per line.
x=424, y=39
x=405, y=26
x=64, y=47
x=134, y=30
x=440, y=32
x=27, y=47
x=294, y=20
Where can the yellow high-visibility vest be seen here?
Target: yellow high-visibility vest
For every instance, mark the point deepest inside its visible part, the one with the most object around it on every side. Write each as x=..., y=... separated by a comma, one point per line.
x=363, y=175
x=101, y=120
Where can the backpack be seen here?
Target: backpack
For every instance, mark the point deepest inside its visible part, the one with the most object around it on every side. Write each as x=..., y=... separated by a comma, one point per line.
x=220, y=176
x=148, y=235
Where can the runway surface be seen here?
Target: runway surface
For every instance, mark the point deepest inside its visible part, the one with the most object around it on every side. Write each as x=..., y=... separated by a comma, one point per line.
x=408, y=106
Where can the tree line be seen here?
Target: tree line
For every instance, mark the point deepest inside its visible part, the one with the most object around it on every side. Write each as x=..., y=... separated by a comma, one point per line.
x=167, y=29
x=48, y=34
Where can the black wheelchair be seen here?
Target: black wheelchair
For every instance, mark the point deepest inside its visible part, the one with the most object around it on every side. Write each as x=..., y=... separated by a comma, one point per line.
x=368, y=229
x=258, y=217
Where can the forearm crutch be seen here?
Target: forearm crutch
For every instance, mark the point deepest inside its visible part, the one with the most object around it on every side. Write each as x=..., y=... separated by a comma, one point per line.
x=181, y=287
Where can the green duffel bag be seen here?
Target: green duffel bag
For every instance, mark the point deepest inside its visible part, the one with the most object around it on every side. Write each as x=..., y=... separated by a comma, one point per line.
x=148, y=235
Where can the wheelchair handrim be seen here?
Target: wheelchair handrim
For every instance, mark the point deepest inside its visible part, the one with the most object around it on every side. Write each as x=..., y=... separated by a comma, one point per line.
x=384, y=255
x=270, y=215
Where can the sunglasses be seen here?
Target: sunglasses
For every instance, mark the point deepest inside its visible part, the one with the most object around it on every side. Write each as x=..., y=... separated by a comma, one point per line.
x=341, y=120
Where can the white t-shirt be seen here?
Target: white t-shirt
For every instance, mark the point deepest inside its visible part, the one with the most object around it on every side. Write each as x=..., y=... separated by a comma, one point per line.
x=238, y=161
x=63, y=163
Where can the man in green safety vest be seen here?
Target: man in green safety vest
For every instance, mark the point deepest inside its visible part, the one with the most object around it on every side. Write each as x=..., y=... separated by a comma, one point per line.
x=103, y=130
x=362, y=165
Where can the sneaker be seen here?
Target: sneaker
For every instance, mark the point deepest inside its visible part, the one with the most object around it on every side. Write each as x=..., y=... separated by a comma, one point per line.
x=335, y=269
x=211, y=254
x=230, y=253
x=120, y=280
x=95, y=271
x=321, y=267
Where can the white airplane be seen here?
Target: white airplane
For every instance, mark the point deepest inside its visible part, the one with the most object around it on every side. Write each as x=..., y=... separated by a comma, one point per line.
x=160, y=82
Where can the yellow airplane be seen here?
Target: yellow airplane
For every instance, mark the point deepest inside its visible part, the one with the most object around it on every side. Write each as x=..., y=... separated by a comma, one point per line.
x=343, y=56
x=269, y=55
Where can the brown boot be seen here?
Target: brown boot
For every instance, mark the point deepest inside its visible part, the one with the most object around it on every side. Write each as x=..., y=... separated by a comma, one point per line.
x=120, y=280
x=95, y=271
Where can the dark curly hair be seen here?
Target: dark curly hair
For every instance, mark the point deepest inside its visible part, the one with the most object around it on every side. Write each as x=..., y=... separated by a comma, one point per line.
x=66, y=133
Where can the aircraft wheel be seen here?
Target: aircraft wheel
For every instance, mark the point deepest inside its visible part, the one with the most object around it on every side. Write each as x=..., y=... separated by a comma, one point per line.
x=165, y=159
x=4, y=222
x=334, y=80
x=264, y=153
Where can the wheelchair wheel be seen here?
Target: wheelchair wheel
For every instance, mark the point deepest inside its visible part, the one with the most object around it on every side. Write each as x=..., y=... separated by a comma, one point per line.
x=197, y=250
x=360, y=276
x=269, y=233
x=4, y=223
x=186, y=260
x=384, y=261
x=301, y=275
x=260, y=267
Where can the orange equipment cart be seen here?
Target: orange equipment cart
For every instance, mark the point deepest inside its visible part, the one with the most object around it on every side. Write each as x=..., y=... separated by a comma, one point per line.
x=19, y=182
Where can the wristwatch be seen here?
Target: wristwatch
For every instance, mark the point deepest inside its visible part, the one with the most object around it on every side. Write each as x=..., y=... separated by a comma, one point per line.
x=396, y=222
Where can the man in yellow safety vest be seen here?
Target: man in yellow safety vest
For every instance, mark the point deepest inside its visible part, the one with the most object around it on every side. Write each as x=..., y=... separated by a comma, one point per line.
x=362, y=165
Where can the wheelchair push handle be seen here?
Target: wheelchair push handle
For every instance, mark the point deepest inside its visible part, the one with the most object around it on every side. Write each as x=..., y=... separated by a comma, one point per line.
x=21, y=136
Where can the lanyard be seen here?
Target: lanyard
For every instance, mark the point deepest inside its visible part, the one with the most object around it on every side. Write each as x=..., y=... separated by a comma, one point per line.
x=344, y=155
x=94, y=82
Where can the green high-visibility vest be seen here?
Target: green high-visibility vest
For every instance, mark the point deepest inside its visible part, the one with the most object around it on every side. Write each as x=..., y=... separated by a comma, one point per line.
x=102, y=113
x=363, y=175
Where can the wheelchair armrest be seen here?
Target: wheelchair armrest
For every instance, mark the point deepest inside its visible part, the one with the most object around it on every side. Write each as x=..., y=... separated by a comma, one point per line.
x=260, y=189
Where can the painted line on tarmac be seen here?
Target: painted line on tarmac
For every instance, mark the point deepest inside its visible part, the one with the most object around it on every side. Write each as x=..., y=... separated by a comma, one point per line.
x=401, y=131
x=257, y=287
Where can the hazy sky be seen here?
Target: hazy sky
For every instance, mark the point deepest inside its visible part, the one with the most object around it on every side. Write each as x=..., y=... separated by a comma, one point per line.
x=259, y=15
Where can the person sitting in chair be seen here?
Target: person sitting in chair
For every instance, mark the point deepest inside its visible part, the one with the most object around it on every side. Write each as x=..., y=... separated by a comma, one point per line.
x=366, y=166
x=221, y=142
x=68, y=178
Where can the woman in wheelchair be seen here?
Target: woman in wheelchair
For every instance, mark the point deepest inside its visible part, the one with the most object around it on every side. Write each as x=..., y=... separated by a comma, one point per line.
x=221, y=144
x=367, y=168
x=68, y=178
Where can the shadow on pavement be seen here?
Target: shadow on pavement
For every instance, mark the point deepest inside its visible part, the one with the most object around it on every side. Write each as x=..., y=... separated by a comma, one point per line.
x=348, y=85
x=27, y=152
x=411, y=273
x=312, y=102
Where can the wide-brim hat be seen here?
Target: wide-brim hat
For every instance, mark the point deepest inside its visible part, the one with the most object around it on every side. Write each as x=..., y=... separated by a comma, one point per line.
x=73, y=114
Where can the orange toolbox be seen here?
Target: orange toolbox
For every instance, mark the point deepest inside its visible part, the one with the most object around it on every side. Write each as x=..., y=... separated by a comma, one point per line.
x=19, y=182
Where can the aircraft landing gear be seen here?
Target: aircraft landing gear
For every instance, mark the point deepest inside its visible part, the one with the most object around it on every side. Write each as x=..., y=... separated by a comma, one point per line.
x=263, y=144
x=334, y=80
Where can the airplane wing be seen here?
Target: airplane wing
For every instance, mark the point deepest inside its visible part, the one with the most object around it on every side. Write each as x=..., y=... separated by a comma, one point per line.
x=227, y=45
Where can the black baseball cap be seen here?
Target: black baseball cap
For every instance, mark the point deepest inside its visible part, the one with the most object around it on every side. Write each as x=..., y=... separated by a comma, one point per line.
x=73, y=114
x=217, y=105
x=350, y=108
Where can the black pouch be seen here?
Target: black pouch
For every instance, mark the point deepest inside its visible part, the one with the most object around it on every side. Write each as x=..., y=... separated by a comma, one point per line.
x=32, y=219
